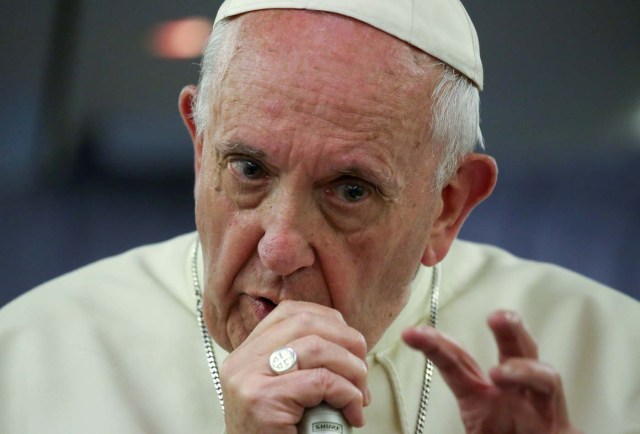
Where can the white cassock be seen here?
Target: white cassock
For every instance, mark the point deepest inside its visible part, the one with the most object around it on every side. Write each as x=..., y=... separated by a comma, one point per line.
x=115, y=346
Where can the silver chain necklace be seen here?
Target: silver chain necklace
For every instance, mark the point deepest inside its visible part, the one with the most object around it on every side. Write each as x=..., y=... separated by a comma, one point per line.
x=213, y=366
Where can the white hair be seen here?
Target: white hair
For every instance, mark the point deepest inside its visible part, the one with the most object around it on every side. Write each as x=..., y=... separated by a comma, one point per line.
x=456, y=121
x=215, y=59
x=455, y=130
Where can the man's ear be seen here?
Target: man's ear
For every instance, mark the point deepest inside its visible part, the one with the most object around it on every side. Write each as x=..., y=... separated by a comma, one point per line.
x=185, y=104
x=473, y=181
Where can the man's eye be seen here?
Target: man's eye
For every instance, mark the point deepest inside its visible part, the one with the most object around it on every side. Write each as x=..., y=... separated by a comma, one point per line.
x=248, y=169
x=352, y=192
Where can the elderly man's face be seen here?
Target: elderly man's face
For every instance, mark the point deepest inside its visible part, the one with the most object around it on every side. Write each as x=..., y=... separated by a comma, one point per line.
x=314, y=180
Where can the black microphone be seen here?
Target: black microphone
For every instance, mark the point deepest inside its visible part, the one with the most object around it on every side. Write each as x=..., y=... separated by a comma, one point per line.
x=323, y=419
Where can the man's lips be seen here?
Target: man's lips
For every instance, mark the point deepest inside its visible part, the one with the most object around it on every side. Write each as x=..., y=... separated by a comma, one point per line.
x=262, y=306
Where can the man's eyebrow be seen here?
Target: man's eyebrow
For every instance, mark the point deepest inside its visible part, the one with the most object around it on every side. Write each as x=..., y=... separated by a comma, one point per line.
x=227, y=148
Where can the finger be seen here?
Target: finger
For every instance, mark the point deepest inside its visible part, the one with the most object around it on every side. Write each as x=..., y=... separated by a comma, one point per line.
x=299, y=325
x=511, y=336
x=544, y=383
x=293, y=319
x=279, y=401
x=315, y=352
x=309, y=387
x=527, y=373
x=457, y=367
x=289, y=308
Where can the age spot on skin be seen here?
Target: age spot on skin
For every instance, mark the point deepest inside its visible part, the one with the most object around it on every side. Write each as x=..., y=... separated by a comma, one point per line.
x=273, y=108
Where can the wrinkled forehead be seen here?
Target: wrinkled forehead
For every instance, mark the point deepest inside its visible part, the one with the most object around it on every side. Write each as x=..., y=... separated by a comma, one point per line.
x=324, y=40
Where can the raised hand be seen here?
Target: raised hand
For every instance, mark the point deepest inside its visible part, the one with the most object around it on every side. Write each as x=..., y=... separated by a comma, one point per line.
x=519, y=395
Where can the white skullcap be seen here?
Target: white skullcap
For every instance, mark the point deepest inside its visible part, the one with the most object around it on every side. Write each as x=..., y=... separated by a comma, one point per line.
x=441, y=28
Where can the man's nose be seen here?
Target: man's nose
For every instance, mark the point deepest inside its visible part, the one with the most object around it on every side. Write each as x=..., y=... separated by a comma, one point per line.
x=284, y=247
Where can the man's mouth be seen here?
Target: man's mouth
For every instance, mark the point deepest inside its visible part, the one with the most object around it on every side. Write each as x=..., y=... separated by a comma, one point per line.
x=262, y=306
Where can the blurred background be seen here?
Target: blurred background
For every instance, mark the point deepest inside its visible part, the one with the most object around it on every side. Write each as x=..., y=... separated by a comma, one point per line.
x=95, y=159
